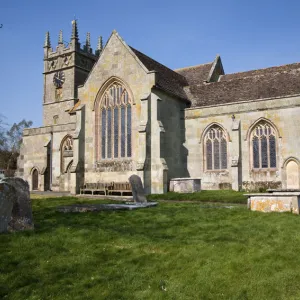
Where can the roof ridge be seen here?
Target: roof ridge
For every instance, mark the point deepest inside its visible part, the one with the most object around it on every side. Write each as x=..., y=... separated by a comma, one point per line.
x=195, y=66
x=261, y=69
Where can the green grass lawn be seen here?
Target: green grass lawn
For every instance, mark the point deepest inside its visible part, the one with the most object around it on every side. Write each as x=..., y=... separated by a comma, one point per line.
x=173, y=251
x=223, y=196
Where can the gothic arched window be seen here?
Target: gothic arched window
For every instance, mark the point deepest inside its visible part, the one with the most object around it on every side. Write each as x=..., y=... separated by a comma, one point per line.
x=66, y=152
x=215, y=149
x=115, y=123
x=263, y=145
x=67, y=144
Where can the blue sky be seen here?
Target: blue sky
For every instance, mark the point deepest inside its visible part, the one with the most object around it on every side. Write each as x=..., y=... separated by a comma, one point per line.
x=247, y=34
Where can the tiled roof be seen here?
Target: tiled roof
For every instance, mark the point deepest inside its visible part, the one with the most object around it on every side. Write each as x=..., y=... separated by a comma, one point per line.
x=265, y=83
x=191, y=82
x=260, y=72
x=196, y=74
x=167, y=79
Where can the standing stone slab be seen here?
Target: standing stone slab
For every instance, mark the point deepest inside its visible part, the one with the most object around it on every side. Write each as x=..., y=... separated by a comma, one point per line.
x=16, y=190
x=137, y=188
x=6, y=205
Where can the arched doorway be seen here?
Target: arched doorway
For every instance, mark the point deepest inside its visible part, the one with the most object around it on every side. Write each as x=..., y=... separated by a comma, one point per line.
x=35, y=180
x=292, y=175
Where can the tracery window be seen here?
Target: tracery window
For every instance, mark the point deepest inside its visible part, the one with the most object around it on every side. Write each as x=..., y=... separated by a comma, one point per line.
x=115, y=123
x=215, y=149
x=263, y=144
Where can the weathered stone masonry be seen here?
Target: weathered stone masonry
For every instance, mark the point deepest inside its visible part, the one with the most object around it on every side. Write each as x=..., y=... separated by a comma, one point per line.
x=236, y=131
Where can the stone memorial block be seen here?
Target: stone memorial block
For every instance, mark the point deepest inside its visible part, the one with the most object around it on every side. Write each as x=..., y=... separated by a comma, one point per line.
x=278, y=200
x=185, y=185
x=16, y=190
x=137, y=188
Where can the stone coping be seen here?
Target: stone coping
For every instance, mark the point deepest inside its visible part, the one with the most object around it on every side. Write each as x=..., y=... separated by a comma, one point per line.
x=79, y=208
x=185, y=178
x=274, y=194
x=283, y=190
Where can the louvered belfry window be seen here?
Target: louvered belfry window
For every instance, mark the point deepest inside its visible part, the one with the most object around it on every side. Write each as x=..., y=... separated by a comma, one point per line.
x=263, y=143
x=215, y=144
x=115, y=123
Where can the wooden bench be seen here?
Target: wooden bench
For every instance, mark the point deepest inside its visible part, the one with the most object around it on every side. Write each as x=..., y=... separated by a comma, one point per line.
x=120, y=188
x=95, y=188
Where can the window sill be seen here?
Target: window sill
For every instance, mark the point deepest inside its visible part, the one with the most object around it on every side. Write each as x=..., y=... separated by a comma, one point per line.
x=216, y=171
x=108, y=160
x=264, y=170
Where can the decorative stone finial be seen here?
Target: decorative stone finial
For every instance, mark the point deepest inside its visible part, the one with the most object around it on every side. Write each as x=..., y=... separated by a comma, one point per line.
x=60, y=37
x=74, y=31
x=99, y=46
x=47, y=40
x=87, y=47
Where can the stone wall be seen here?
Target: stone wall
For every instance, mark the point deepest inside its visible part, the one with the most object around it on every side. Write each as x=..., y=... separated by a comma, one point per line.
x=282, y=113
x=35, y=157
x=34, y=148
x=58, y=110
x=116, y=61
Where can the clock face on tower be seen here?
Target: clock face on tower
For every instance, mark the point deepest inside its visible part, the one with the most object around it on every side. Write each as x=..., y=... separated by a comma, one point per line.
x=59, y=79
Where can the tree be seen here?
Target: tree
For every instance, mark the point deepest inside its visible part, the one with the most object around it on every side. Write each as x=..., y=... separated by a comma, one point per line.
x=2, y=133
x=10, y=142
x=14, y=135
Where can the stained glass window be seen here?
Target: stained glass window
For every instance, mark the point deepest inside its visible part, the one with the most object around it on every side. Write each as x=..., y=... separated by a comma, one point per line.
x=122, y=131
x=223, y=154
x=264, y=152
x=115, y=123
x=109, y=133
x=129, y=131
x=263, y=146
x=208, y=155
x=103, y=132
x=272, y=147
x=215, y=149
x=216, y=154
x=255, y=152
x=116, y=131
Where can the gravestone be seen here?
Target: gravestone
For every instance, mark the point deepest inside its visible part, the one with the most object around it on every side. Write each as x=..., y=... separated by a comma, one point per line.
x=6, y=205
x=19, y=213
x=137, y=188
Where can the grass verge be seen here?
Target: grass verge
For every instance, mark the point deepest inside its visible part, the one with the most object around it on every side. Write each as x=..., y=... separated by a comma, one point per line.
x=222, y=196
x=172, y=251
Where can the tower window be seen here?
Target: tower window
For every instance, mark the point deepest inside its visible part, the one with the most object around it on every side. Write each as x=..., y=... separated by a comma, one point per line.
x=55, y=119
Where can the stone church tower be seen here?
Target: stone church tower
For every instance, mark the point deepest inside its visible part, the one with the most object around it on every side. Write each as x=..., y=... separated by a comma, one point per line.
x=65, y=68
x=115, y=112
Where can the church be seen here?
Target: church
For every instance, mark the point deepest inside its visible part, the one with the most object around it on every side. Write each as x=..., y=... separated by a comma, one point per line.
x=114, y=112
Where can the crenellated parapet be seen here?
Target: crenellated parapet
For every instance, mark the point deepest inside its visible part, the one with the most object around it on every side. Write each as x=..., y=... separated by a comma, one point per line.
x=70, y=54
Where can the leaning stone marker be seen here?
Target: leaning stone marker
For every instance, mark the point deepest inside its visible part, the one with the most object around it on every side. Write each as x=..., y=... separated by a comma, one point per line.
x=137, y=188
x=138, y=197
x=15, y=205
